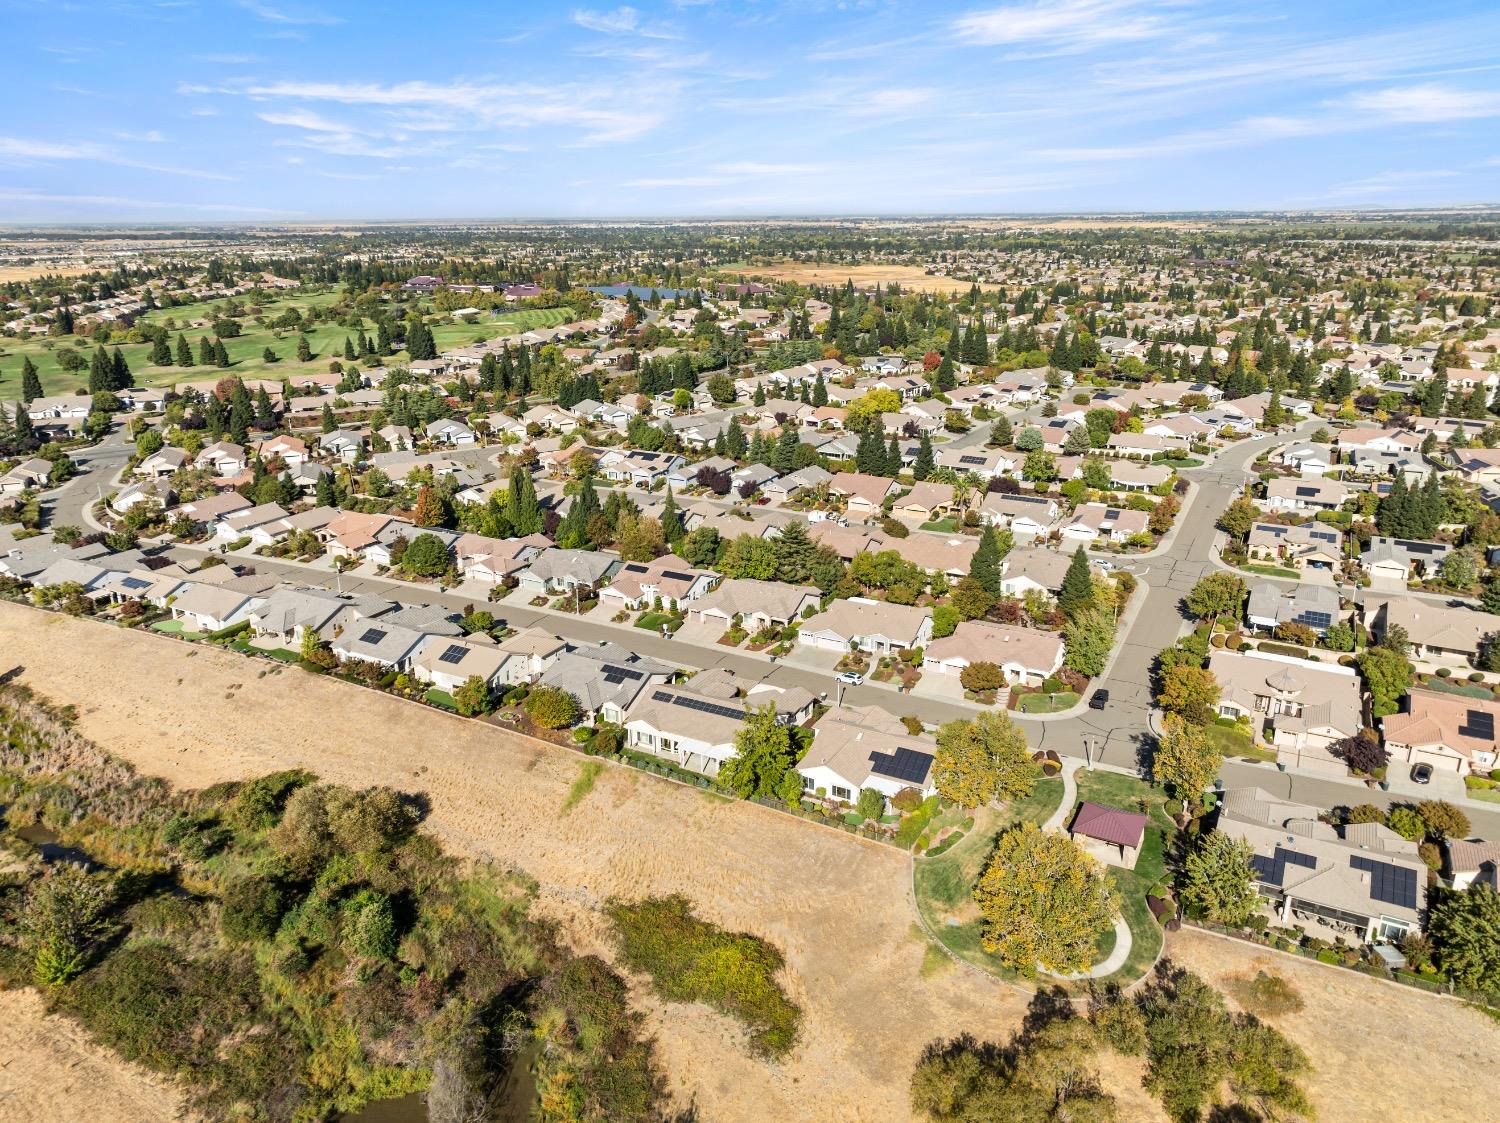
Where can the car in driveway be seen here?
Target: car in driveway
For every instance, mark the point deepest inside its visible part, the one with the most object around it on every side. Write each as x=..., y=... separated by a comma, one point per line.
x=852, y=678
x=1099, y=699
x=1421, y=774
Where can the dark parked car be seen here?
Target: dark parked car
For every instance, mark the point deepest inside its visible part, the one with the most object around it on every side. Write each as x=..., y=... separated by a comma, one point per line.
x=1099, y=699
x=1422, y=774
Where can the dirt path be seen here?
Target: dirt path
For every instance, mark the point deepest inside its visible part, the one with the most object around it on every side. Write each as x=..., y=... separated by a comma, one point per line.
x=838, y=907
x=50, y=1071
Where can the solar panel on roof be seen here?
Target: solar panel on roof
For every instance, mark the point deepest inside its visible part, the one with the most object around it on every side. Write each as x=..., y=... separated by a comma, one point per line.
x=622, y=672
x=676, y=576
x=372, y=635
x=1390, y=884
x=135, y=583
x=704, y=707
x=1272, y=870
x=454, y=654
x=1306, y=491
x=971, y=460
x=904, y=764
x=1479, y=724
x=1317, y=619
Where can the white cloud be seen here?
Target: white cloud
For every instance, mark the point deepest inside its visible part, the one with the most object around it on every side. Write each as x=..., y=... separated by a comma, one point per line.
x=151, y=136
x=20, y=195
x=306, y=119
x=26, y=151
x=1061, y=25
x=481, y=106
x=1392, y=182
x=621, y=21
x=751, y=168
x=1429, y=103
x=274, y=14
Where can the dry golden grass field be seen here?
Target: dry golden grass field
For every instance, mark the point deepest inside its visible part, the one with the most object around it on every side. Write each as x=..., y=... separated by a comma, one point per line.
x=839, y=908
x=808, y=273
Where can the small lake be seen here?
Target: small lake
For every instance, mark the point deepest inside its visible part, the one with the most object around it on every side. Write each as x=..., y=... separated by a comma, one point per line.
x=642, y=292
x=51, y=849
x=514, y=1102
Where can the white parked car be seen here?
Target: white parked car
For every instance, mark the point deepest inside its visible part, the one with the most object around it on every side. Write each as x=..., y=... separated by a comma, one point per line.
x=853, y=678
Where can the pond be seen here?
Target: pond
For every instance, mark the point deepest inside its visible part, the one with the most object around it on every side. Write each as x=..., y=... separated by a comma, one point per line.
x=642, y=292
x=514, y=1102
x=51, y=849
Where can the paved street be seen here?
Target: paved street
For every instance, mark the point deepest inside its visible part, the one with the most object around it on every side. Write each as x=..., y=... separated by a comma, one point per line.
x=1119, y=734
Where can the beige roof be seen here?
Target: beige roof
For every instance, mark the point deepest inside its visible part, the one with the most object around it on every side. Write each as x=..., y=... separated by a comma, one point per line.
x=1443, y=719
x=1436, y=625
x=936, y=553
x=1329, y=695
x=844, y=740
x=976, y=641
x=467, y=658
x=863, y=617
x=776, y=599
x=928, y=495
x=857, y=485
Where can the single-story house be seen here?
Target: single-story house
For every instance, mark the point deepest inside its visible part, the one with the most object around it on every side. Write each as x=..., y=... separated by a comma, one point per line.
x=1450, y=732
x=208, y=608
x=1024, y=655
x=758, y=604
x=860, y=624
x=558, y=571
x=855, y=748
x=1109, y=834
x=1292, y=704
x=1286, y=494
x=638, y=584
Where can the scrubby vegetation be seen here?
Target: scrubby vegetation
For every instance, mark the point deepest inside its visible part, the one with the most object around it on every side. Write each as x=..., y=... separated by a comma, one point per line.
x=691, y=960
x=291, y=949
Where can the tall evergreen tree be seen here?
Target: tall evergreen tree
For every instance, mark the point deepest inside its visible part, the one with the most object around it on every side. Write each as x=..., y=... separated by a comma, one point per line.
x=31, y=382
x=205, y=352
x=671, y=522
x=820, y=392
x=922, y=468
x=161, y=351
x=1077, y=592
x=120, y=370
x=984, y=567
x=892, y=463
x=573, y=531
x=221, y=356
x=101, y=374
x=349, y=355
x=184, y=352
x=521, y=507
x=265, y=416
x=734, y=440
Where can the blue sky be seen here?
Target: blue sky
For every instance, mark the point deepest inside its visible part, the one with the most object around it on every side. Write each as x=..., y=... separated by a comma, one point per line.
x=306, y=109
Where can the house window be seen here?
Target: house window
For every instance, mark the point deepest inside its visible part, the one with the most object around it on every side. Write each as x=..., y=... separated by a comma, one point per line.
x=840, y=793
x=807, y=783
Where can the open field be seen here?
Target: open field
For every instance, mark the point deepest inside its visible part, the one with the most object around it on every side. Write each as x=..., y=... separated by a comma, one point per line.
x=246, y=352
x=51, y=1071
x=808, y=273
x=838, y=907
x=28, y=272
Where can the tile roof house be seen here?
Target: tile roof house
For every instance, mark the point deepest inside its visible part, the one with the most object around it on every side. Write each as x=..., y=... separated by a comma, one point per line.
x=1400, y=559
x=1026, y=568
x=207, y=608
x=1029, y=515
x=1292, y=704
x=289, y=611
x=1316, y=545
x=373, y=640
x=1316, y=606
x=1450, y=732
x=1093, y=521
x=926, y=501
x=447, y=663
x=605, y=679
x=1024, y=655
x=637, y=584
x=758, y=603
x=1285, y=494
x=866, y=625
x=1436, y=633
x=865, y=747
x=554, y=571
x=163, y=462
x=865, y=494
x=1363, y=880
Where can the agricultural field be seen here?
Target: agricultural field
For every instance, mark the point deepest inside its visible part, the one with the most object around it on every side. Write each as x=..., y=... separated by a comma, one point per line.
x=246, y=351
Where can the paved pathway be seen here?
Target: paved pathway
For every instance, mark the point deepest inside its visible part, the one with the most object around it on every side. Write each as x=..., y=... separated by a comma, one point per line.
x=1056, y=820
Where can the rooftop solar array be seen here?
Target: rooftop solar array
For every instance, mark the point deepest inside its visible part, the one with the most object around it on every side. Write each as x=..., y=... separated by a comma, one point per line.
x=372, y=635
x=1272, y=870
x=908, y=765
x=613, y=673
x=698, y=704
x=1316, y=619
x=1479, y=724
x=971, y=460
x=136, y=583
x=676, y=576
x=454, y=654
x=1390, y=884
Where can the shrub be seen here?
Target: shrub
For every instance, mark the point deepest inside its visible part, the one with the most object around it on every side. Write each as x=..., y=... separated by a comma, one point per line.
x=1406, y=822
x=980, y=677
x=907, y=800
x=871, y=803
x=691, y=960
x=551, y=708
x=252, y=908
x=1266, y=995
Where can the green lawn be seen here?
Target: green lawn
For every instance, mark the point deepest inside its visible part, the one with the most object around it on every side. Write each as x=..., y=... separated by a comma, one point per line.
x=1485, y=795
x=1465, y=689
x=1271, y=571
x=653, y=621
x=943, y=526
x=1046, y=703
x=943, y=884
x=1233, y=741
x=246, y=351
x=175, y=628
x=1126, y=793
x=1181, y=462
x=442, y=698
